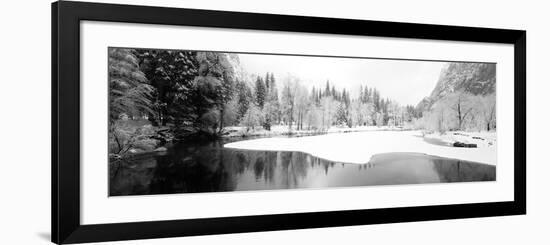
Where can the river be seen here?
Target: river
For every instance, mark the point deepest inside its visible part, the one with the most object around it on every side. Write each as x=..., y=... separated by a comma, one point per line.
x=209, y=167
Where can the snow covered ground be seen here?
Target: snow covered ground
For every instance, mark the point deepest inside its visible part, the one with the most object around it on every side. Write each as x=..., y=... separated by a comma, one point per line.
x=276, y=130
x=359, y=147
x=481, y=139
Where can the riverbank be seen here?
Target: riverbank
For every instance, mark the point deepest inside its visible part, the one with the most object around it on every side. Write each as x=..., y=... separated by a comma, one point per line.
x=358, y=147
x=280, y=130
x=480, y=139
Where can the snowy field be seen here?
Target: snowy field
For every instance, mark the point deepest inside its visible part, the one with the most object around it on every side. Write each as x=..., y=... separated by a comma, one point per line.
x=359, y=147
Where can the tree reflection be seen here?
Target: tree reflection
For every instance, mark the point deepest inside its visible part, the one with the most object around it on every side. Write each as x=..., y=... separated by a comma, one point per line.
x=462, y=171
x=212, y=168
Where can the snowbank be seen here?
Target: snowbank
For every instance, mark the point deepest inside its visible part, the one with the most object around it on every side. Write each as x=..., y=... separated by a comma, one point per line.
x=359, y=147
x=481, y=139
x=276, y=130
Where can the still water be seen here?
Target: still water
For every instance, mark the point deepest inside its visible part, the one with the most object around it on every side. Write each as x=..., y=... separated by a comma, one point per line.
x=209, y=167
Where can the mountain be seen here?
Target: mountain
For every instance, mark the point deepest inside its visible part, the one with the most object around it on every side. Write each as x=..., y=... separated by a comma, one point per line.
x=474, y=78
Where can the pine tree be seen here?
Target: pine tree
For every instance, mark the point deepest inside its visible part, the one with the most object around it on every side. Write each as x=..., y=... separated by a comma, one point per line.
x=341, y=114
x=244, y=95
x=376, y=99
x=272, y=80
x=213, y=89
x=260, y=92
x=270, y=110
x=361, y=94
x=172, y=74
x=267, y=82
x=369, y=95
x=275, y=98
x=314, y=99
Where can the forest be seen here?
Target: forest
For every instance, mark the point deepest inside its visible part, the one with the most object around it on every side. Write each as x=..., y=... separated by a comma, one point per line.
x=159, y=96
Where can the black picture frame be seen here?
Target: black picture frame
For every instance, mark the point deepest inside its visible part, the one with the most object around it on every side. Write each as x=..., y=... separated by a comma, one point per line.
x=65, y=162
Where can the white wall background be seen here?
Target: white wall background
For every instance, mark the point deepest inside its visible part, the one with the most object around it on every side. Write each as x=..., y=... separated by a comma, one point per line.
x=25, y=121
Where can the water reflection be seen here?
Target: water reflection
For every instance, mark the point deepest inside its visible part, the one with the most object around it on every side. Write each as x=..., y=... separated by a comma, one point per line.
x=212, y=168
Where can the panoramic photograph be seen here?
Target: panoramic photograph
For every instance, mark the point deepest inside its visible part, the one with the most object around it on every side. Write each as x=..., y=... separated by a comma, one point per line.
x=187, y=121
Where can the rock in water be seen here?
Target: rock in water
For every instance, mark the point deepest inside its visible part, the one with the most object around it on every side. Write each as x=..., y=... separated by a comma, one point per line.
x=161, y=149
x=135, y=150
x=460, y=144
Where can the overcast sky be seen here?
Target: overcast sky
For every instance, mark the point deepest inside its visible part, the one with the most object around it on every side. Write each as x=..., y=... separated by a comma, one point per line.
x=406, y=82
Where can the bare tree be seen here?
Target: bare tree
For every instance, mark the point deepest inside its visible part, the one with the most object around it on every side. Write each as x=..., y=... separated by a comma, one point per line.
x=486, y=108
x=328, y=107
x=461, y=104
x=302, y=105
x=290, y=88
x=252, y=117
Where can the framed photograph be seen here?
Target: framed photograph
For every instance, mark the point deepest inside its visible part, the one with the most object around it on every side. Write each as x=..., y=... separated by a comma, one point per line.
x=177, y=122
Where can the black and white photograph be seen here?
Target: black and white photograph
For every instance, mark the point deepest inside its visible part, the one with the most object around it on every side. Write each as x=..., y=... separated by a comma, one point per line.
x=275, y=122
x=187, y=121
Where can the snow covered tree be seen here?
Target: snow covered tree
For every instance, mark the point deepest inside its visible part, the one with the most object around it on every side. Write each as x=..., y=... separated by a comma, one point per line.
x=302, y=105
x=129, y=91
x=269, y=114
x=288, y=99
x=260, y=92
x=328, y=107
x=461, y=104
x=314, y=118
x=341, y=114
x=360, y=113
x=171, y=73
x=485, y=112
x=376, y=100
x=130, y=95
x=231, y=111
x=271, y=108
x=252, y=117
x=244, y=96
x=488, y=111
x=213, y=88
